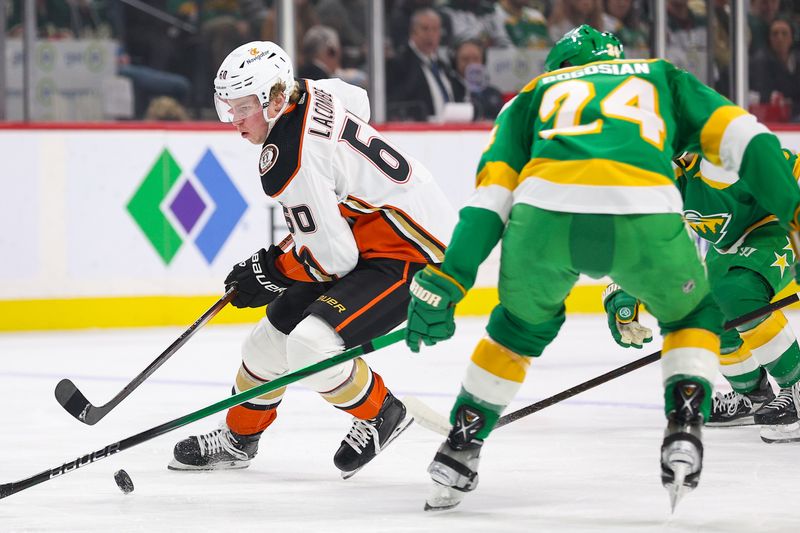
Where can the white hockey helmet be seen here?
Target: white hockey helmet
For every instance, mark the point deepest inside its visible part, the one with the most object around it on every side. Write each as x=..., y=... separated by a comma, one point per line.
x=252, y=69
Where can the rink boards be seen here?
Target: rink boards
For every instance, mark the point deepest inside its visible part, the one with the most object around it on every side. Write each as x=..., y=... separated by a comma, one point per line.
x=137, y=225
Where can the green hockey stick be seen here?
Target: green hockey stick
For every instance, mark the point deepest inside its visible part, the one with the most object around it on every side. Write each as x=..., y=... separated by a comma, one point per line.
x=7, y=489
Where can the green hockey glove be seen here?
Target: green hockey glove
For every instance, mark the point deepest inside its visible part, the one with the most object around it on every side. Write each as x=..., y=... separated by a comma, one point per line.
x=434, y=296
x=623, y=318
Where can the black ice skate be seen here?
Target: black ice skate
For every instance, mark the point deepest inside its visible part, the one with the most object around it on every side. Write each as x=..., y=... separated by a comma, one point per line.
x=787, y=429
x=220, y=449
x=781, y=410
x=682, y=449
x=368, y=438
x=454, y=469
x=736, y=409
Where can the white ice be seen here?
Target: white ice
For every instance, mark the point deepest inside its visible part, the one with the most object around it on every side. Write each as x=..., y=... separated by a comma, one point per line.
x=586, y=464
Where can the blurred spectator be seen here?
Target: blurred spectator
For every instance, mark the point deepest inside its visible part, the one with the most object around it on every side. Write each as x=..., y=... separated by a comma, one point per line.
x=469, y=59
x=305, y=16
x=349, y=19
x=762, y=13
x=322, y=55
x=623, y=21
x=254, y=12
x=722, y=45
x=686, y=38
x=149, y=83
x=166, y=108
x=54, y=19
x=400, y=18
x=222, y=26
x=774, y=71
x=568, y=14
x=418, y=82
x=465, y=19
x=514, y=23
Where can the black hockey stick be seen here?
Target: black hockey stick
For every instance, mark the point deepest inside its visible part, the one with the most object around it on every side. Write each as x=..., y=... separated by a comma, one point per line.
x=437, y=422
x=630, y=367
x=7, y=489
x=76, y=404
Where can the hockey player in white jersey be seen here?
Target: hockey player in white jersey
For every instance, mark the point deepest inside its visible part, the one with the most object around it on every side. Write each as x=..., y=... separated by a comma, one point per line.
x=365, y=217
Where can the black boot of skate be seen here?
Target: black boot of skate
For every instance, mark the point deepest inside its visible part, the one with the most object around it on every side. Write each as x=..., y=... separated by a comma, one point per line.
x=367, y=438
x=780, y=411
x=682, y=449
x=787, y=427
x=220, y=449
x=454, y=469
x=737, y=409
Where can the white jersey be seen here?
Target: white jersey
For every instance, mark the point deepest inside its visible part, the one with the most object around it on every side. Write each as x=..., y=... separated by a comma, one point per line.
x=346, y=192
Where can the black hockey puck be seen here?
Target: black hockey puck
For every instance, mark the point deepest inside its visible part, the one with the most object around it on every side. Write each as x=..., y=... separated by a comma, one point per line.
x=124, y=481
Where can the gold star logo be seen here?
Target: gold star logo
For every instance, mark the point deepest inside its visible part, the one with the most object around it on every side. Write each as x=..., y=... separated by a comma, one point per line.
x=780, y=262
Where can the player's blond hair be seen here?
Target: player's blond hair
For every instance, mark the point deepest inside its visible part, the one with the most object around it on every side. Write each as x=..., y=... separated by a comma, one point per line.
x=279, y=87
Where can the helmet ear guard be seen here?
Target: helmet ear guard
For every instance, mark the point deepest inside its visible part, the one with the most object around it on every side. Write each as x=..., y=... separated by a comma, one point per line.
x=583, y=45
x=251, y=69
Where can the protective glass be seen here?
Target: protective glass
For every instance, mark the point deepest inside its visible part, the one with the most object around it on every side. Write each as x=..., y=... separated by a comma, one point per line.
x=235, y=109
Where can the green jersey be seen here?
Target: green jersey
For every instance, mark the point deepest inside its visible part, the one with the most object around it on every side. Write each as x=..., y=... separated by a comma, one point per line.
x=719, y=206
x=600, y=138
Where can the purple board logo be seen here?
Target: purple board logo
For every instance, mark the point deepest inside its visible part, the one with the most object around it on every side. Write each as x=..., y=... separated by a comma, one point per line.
x=188, y=205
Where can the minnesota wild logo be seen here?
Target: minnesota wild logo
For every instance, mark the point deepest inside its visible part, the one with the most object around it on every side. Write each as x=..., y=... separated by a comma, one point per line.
x=708, y=226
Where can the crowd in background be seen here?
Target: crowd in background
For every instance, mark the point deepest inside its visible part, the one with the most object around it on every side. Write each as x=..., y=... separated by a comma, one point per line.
x=436, y=50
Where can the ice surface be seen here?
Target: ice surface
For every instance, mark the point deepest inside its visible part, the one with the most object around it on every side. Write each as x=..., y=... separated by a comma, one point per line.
x=587, y=464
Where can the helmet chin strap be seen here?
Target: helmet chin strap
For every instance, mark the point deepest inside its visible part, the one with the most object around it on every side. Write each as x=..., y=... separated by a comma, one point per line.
x=271, y=121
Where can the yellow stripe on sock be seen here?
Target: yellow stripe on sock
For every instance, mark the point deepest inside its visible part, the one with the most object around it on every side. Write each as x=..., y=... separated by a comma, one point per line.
x=500, y=361
x=740, y=355
x=691, y=338
x=764, y=332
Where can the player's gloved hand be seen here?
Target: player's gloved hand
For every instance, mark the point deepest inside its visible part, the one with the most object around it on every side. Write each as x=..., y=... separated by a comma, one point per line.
x=623, y=318
x=434, y=296
x=258, y=279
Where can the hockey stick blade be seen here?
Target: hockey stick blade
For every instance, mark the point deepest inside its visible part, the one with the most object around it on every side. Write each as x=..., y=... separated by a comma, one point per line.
x=435, y=421
x=76, y=404
x=74, y=401
x=427, y=417
x=7, y=489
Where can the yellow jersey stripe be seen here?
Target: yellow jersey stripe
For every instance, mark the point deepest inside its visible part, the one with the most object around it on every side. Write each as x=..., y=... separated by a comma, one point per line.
x=498, y=173
x=597, y=172
x=714, y=129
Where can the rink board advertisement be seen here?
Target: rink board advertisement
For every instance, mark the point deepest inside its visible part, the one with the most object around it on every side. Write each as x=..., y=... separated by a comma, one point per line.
x=140, y=226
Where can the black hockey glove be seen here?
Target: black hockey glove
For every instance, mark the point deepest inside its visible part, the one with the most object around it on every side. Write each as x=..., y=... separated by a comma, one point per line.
x=258, y=280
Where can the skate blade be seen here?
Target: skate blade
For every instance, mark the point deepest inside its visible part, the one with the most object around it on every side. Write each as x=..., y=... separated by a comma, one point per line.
x=401, y=427
x=781, y=433
x=443, y=498
x=677, y=490
x=230, y=465
x=739, y=422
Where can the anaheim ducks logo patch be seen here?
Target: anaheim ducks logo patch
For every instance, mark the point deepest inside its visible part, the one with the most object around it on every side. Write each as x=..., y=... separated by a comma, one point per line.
x=710, y=227
x=269, y=156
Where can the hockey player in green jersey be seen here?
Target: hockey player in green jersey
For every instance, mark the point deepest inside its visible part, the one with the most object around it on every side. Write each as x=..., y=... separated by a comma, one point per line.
x=748, y=262
x=578, y=178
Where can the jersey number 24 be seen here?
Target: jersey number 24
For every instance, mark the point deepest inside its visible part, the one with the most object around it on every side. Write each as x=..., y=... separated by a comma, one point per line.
x=634, y=100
